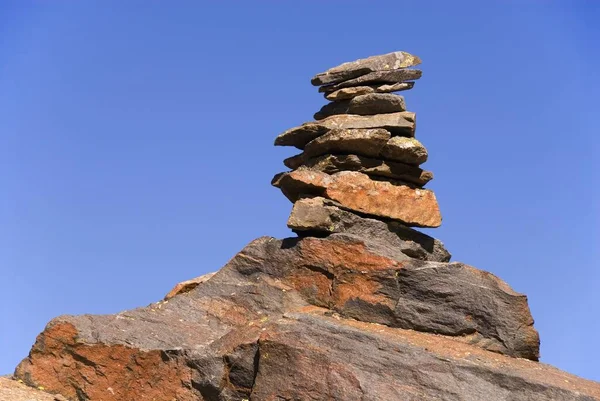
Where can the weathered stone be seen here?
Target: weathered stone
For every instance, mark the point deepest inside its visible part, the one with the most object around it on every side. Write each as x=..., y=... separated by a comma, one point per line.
x=405, y=150
x=360, y=67
x=379, y=77
x=358, y=193
x=320, y=215
x=376, y=143
x=332, y=164
x=374, y=103
x=295, y=161
x=188, y=285
x=402, y=123
x=349, y=93
x=368, y=142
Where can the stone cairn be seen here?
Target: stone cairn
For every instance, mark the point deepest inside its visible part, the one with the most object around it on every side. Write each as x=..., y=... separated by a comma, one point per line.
x=360, y=157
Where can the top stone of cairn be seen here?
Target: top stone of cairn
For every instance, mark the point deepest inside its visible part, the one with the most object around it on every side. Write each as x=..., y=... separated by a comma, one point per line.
x=354, y=69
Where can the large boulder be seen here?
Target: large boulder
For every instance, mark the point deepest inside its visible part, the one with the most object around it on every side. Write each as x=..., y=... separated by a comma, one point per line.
x=401, y=123
x=353, y=69
x=354, y=191
x=310, y=319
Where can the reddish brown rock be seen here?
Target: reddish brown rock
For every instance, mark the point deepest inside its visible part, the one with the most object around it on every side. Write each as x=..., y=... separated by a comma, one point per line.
x=320, y=215
x=305, y=319
x=357, y=192
x=402, y=123
x=332, y=164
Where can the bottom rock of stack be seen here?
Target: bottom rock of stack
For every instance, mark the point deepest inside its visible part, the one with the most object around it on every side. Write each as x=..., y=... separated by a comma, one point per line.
x=359, y=193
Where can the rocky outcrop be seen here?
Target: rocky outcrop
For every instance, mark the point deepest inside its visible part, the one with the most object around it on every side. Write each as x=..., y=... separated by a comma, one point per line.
x=314, y=318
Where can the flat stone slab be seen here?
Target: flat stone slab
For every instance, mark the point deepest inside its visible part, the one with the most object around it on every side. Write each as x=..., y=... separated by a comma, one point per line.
x=357, y=192
x=331, y=164
x=353, y=69
x=349, y=93
x=380, y=77
x=320, y=215
x=376, y=143
x=401, y=123
x=374, y=103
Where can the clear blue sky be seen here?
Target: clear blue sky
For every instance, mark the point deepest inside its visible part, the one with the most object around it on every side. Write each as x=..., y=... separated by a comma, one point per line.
x=136, y=145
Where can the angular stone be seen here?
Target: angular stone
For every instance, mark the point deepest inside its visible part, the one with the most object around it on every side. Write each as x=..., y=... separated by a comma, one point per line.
x=375, y=143
x=369, y=142
x=402, y=123
x=295, y=161
x=379, y=77
x=188, y=285
x=374, y=103
x=405, y=150
x=320, y=215
x=357, y=192
x=349, y=93
x=360, y=67
x=332, y=164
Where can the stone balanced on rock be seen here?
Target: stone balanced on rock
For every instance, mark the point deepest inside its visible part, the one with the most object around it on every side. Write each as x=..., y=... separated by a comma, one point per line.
x=360, y=155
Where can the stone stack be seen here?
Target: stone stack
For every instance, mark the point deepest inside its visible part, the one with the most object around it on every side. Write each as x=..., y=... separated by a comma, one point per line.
x=360, y=157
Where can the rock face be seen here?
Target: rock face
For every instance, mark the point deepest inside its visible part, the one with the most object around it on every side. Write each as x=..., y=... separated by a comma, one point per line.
x=357, y=192
x=359, y=306
x=313, y=318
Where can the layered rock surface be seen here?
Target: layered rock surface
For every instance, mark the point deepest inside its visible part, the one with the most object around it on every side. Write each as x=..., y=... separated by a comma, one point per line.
x=331, y=318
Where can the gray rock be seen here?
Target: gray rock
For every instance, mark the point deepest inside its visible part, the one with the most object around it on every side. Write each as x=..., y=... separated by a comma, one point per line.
x=376, y=143
x=379, y=77
x=360, y=67
x=348, y=93
x=332, y=164
x=405, y=150
x=320, y=215
x=401, y=123
x=374, y=103
x=367, y=142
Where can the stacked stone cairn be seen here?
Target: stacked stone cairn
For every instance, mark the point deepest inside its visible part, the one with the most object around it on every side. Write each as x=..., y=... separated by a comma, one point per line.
x=359, y=170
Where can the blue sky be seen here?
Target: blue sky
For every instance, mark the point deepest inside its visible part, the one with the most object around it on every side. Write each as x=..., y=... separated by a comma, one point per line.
x=136, y=145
